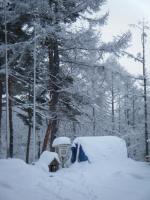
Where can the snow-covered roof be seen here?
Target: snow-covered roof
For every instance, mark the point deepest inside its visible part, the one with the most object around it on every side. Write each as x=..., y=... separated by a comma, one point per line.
x=103, y=147
x=45, y=159
x=61, y=140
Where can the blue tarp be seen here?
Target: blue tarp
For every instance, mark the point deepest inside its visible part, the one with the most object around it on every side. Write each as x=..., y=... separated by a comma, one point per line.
x=81, y=157
x=74, y=153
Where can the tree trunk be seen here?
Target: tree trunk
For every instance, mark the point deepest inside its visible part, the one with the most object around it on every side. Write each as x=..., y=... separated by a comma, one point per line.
x=133, y=110
x=127, y=116
x=1, y=88
x=11, y=146
x=39, y=149
x=127, y=96
x=119, y=114
x=74, y=129
x=94, y=121
x=112, y=105
x=53, y=88
x=145, y=94
x=28, y=144
x=29, y=126
x=50, y=134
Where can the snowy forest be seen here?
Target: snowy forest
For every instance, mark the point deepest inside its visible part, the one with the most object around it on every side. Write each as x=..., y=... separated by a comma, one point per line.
x=59, y=78
x=74, y=100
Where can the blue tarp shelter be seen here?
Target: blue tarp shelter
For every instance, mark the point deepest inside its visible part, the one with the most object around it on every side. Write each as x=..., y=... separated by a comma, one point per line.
x=81, y=154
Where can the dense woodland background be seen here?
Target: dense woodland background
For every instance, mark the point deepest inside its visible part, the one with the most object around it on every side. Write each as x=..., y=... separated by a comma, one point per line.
x=80, y=87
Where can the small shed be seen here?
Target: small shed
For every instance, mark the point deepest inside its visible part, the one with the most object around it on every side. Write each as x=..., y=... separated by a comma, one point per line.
x=54, y=165
x=49, y=161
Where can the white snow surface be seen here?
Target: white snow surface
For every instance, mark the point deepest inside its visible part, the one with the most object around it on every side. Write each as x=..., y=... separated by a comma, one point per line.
x=106, y=179
x=100, y=148
x=61, y=140
x=45, y=159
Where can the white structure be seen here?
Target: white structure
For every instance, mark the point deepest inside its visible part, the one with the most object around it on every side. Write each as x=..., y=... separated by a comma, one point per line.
x=62, y=147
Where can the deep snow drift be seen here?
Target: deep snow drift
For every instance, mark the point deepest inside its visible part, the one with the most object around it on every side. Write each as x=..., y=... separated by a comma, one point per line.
x=103, y=179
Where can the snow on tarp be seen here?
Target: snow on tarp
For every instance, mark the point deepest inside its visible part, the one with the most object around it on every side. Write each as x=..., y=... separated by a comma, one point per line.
x=61, y=140
x=45, y=159
x=102, y=147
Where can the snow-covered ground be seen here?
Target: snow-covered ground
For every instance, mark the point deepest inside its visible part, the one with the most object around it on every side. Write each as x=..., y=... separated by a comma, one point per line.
x=106, y=179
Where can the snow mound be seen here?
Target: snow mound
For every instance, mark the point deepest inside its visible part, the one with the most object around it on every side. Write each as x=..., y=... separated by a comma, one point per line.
x=100, y=148
x=45, y=159
x=61, y=140
x=14, y=163
x=17, y=171
x=126, y=180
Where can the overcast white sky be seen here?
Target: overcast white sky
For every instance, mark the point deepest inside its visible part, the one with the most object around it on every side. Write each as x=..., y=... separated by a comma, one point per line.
x=123, y=13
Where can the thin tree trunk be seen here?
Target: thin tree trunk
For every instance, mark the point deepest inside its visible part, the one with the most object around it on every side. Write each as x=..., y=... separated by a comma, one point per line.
x=127, y=120
x=1, y=93
x=1, y=88
x=133, y=111
x=29, y=126
x=11, y=146
x=145, y=94
x=7, y=92
x=113, y=110
x=94, y=122
x=28, y=144
x=34, y=98
x=119, y=114
x=74, y=128
x=39, y=146
x=127, y=96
